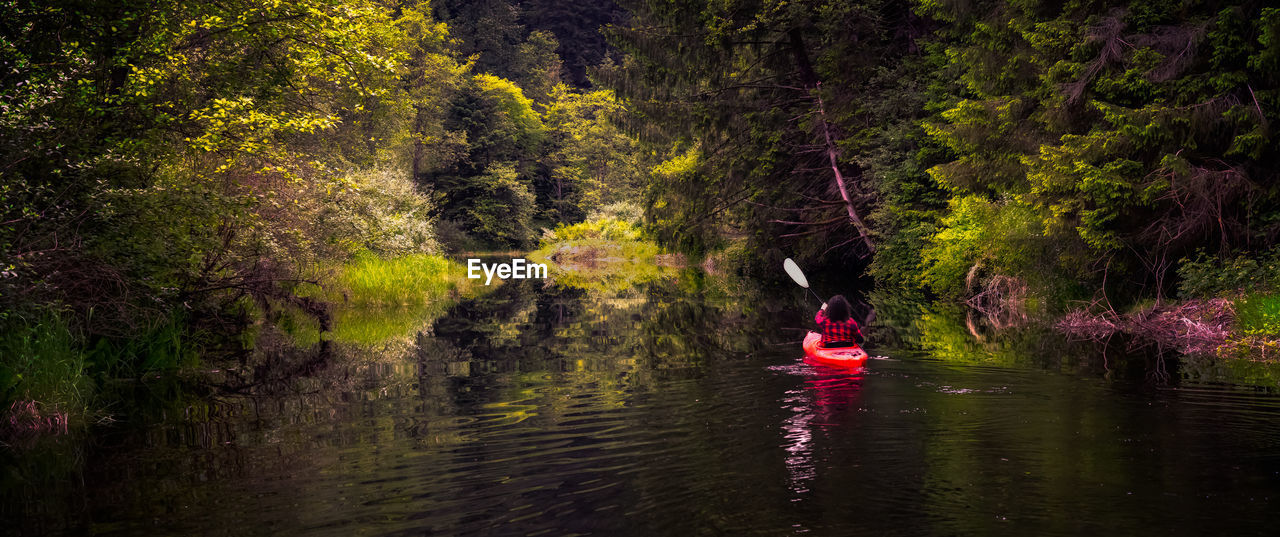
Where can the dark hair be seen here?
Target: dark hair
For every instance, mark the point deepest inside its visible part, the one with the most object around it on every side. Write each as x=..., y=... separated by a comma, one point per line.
x=838, y=308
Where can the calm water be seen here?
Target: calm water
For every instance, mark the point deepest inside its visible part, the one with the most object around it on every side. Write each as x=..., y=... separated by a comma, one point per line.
x=669, y=409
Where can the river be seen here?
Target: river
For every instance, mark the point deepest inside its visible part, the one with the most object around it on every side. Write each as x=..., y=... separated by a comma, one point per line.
x=668, y=408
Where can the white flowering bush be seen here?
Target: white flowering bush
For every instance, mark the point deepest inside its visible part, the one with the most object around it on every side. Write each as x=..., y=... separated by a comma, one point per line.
x=379, y=210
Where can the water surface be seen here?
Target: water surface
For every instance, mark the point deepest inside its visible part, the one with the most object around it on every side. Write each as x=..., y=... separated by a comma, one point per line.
x=668, y=409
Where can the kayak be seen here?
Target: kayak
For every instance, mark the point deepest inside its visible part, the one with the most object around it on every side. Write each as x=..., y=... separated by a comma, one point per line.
x=838, y=357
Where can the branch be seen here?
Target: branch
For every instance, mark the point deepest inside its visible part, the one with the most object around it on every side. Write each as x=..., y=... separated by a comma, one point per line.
x=822, y=223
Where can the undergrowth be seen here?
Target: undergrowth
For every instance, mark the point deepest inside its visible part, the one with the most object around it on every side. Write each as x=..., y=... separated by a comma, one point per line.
x=45, y=362
x=41, y=360
x=1258, y=314
x=401, y=281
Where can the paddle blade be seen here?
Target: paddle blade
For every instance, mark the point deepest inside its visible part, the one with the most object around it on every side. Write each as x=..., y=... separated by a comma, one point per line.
x=793, y=270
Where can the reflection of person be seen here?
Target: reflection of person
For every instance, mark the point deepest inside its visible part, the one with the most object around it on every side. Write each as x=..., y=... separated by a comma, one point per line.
x=838, y=327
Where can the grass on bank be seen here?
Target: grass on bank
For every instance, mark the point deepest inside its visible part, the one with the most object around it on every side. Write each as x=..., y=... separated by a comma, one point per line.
x=44, y=362
x=375, y=299
x=1255, y=335
x=604, y=239
x=41, y=361
x=401, y=281
x=49, y=370
x=1258, y=314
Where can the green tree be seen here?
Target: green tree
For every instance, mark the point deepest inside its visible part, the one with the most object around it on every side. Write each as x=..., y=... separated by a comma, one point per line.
x=501, y=138
x=593, y=162
x=161, y=157
x=782, y=97
x=538, y=67
x=488, y=32
x=1135, y=134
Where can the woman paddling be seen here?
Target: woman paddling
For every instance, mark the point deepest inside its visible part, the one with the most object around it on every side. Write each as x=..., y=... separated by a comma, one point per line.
x=838, y=327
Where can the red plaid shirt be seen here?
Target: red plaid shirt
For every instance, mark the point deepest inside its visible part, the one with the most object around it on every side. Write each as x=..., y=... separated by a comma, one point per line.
x=846, y=330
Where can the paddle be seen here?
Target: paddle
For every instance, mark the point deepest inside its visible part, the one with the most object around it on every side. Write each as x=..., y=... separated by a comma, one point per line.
x=796, y=274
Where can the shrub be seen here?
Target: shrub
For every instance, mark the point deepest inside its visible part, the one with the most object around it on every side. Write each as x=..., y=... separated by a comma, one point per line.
x=1259, y=314
x=625, y=211
x=1207, y=276
x=999, y=237
x=382, y=212
x=608, y=228
x=958, y=245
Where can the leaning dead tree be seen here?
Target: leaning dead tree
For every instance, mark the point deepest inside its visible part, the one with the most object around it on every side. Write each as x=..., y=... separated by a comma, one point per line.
x=833, y=156
x=769, y=134
x=830, y=150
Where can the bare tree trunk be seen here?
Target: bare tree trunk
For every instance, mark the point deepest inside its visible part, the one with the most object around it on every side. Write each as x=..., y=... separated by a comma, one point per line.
x=810, y=80
x=559, y=200
x=833, y=155
x=417, y=142
x=417, y=158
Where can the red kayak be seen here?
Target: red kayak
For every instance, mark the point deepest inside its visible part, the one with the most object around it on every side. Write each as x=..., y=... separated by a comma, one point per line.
x=838, y=357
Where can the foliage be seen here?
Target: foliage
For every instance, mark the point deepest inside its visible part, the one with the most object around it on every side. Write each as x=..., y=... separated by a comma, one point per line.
x=609, y=228
x=512, y=165
x=174, y=169
x=503, y=209
x=594, y=162
x=486, y=187
x=521, y=123
x=626, y=211
x=1070, y=146
x=487, y=32
x=40, y=361
x=370, y=280
x=45, y=358
x=609, y=251
x=1136, y=137
x=540, y=66
x=978, y=238
x=381, y=298
x=1258, y=314
x=779, y=99
x=200, y=109
x=680, y=200
x=383, y=213
x=164, y=162
x=1208, y=276
x=518, y=39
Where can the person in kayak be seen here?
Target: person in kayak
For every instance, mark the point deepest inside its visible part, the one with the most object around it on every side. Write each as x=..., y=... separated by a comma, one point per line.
x=838, y=327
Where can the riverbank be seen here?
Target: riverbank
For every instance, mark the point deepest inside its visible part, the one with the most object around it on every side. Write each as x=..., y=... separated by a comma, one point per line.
x=374, y=299
x=1245, y=326
x=611, y=235
x=608, y=251
x=51, y=377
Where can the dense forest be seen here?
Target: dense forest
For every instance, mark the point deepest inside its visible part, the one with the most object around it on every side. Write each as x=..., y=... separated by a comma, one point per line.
x=171, y=171
x=947, y=143
x=174, y=170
